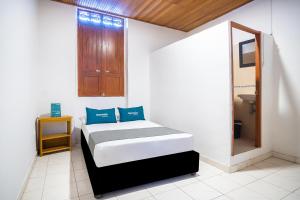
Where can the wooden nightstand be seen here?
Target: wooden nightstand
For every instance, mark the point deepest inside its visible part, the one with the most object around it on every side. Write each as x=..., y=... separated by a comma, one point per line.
x=57, y=141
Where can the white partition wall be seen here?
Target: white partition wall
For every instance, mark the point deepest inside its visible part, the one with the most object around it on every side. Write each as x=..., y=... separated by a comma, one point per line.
x=191, y=90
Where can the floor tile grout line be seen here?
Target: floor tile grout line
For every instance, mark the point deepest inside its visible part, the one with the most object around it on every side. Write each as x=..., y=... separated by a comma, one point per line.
x=260, y=179
x=179, y=187
x=45, y=178
x=263, y=194
x=220, y=191
x=276, y=186
x=296, y=190
x=74, y=174
x=151, y=194
x=228, y=197
x=263, y=176
x=213, y=176
x=184, y=192
x=221, y=194
x=286, y=195
x=245, y=186
x=82, y=180
x=242, y=186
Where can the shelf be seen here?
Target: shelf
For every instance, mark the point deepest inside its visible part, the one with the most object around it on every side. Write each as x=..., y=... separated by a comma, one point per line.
x=55, y=136
x=54, y=149
x=54, y=142
x=55, y=119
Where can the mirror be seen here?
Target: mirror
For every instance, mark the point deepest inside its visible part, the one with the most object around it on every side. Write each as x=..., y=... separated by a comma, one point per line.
x=247, y=53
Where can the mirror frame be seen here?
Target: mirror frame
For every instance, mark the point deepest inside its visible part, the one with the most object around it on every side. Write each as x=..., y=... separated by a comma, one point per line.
x=242, y=64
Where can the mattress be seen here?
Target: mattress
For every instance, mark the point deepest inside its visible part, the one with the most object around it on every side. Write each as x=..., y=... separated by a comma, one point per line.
x=121, y=151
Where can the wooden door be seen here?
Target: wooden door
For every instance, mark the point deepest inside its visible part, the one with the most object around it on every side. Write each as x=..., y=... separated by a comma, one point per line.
x=113, y=62
x=100, y=59
x=258, y=80
x=89, y=60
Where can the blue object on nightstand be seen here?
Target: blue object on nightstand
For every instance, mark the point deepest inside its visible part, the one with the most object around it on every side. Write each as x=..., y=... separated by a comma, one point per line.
x=55, y=110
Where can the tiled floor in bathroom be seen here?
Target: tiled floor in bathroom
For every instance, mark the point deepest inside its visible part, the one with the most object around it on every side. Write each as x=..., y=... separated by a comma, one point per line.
x=242, y=145
x=63, y=176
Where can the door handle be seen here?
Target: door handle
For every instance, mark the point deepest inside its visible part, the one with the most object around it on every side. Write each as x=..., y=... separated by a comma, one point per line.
x=98, y=70
x=107, y=71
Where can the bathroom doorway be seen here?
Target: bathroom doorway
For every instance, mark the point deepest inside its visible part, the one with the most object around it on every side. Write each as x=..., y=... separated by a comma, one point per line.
x=246, y=88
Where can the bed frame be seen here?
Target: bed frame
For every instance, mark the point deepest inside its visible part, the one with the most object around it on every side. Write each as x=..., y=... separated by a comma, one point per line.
x=114, y=177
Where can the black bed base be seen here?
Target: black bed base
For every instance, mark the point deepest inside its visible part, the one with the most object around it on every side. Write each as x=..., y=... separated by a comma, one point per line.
x=124, y=175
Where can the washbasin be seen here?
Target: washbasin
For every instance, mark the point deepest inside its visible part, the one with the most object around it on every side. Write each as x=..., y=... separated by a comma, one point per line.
x=250, y=98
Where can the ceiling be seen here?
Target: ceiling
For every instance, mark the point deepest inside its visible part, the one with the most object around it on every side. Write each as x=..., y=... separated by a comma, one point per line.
x=183, y=15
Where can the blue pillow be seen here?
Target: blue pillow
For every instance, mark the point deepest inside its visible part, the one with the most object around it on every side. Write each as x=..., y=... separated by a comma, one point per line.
x=94, y=116
x=131, y=114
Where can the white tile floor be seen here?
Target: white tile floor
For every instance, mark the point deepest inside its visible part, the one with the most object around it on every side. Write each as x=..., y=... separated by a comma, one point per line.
x=242, y=145
x=63, y=176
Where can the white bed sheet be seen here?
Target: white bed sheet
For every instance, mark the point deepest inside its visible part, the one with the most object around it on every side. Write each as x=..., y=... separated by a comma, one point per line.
x=121, y=151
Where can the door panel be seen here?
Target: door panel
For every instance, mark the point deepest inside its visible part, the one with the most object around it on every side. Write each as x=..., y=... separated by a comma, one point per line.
x=113, y=62
x=91, y=85
x=89, y=57
x=113, y=50
x=113, y=85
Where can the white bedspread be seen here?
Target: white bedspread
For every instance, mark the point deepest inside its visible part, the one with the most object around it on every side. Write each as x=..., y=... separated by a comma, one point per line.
x=121, y=151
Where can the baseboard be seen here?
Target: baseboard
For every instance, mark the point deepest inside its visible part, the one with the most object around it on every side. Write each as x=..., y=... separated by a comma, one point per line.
x=249, y=162
x=218, y=165
x=286, y=157
x=239, y=166
x=260, y=158
x=25, y=181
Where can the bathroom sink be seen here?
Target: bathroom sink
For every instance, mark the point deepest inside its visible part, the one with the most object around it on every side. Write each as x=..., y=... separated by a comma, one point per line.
x=250, y=98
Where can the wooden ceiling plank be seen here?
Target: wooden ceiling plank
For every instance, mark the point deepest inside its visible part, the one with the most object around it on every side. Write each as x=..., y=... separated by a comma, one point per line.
x=219, y=12
x=182, y=15
x=194, y=12
x=209, y=9
x=137, y=10
x=171, y=13
x=151, y=8
x=158, y=12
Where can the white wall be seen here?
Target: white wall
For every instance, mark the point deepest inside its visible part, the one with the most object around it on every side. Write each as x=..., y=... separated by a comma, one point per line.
x=191, y=90
x=57, y=74
x=286, y=104
x=58, y=62
x=144, y=38
x=17, y=82
x=255, y=14
x=280, y=18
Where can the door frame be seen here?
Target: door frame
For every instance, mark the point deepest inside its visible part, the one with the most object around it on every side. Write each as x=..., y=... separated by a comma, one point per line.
x=257, y=81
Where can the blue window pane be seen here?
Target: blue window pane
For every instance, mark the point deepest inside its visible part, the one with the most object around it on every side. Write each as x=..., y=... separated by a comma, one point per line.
x=117, y=22
x=84, y=15
x=107, y=20
x=95, y=18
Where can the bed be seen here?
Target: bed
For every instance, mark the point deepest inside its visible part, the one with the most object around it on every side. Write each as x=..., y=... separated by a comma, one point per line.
x=116, y=163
